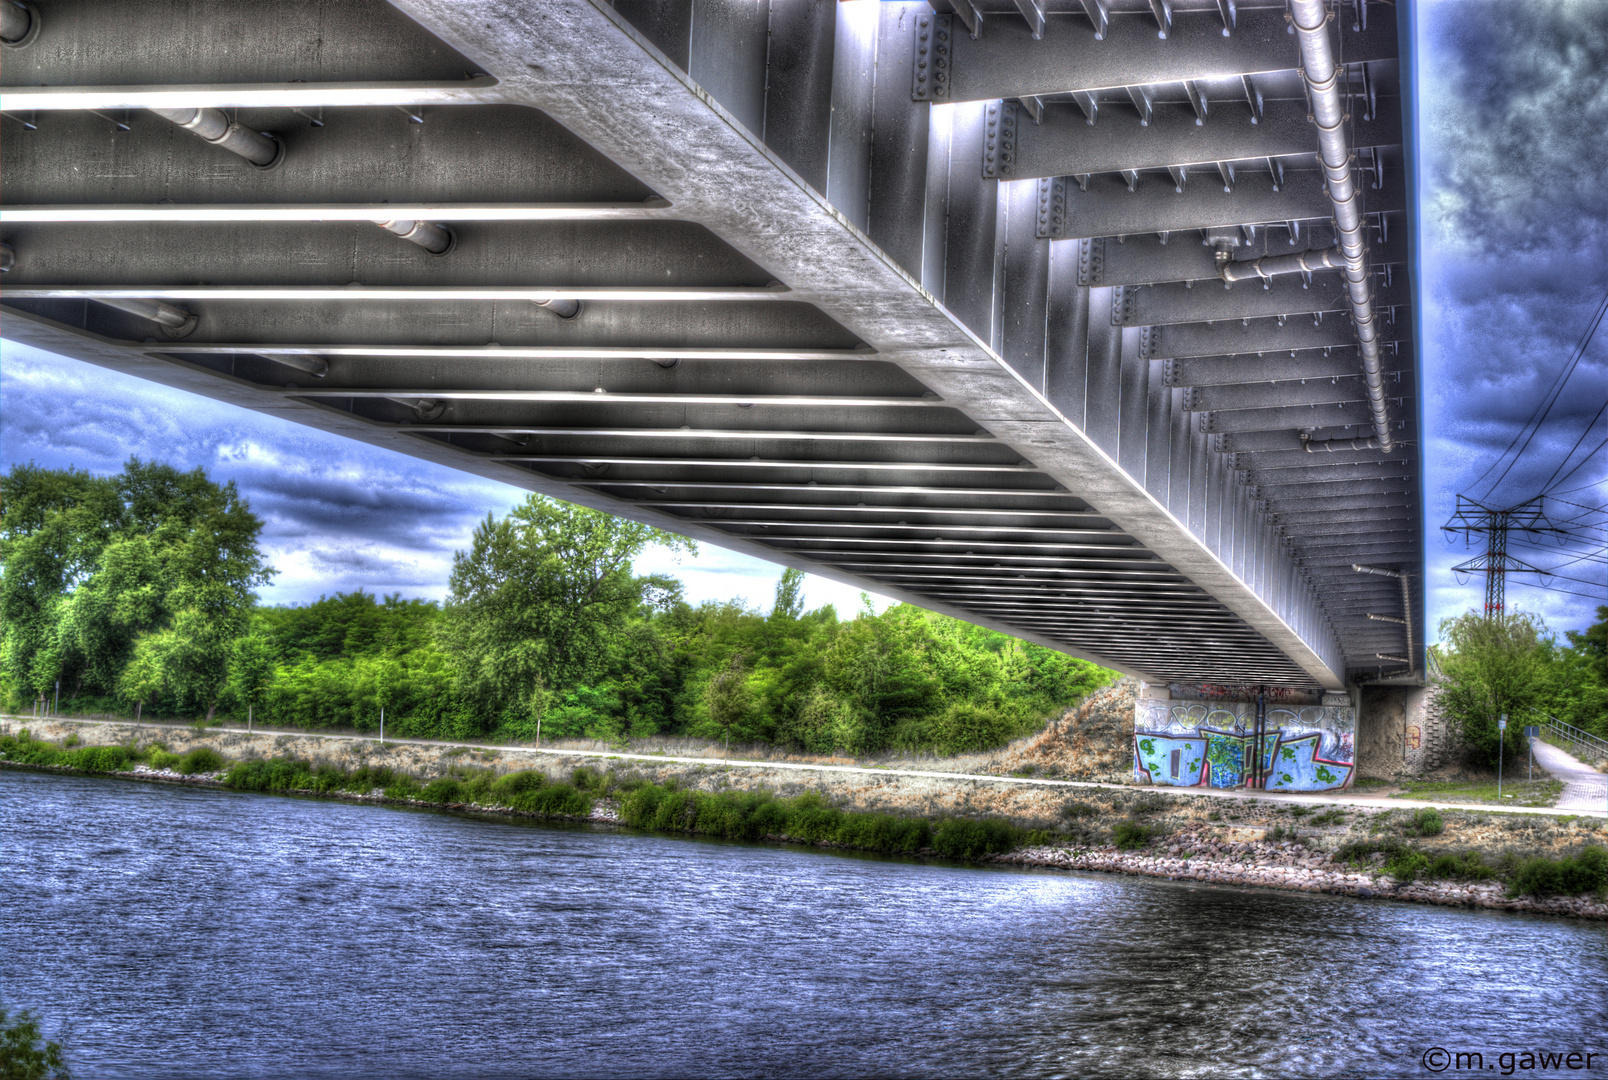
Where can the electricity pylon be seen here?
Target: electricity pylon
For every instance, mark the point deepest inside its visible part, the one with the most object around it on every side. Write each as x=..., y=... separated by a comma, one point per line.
x=1494, y=525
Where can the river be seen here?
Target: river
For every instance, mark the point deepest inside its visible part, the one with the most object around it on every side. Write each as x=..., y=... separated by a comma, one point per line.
x=189, y=932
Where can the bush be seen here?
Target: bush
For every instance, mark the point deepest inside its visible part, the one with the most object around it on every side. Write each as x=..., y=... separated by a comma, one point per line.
x=96, y=759
x=278, y=774
x=1130, y=835
x=751, y=815
x=964, y=838
x=1077, y=810
x=514, y=784
x=1406, y=864
x=203, y=759
x=1469, y=866
x=1585, y=872
x=1425, y=822
x=552, y=799
x=162, y=759
x=25, y=1053
x=444, y=790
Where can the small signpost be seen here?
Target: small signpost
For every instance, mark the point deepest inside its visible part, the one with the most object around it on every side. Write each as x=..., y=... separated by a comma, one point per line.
x=1501, y=737
x=1532, y=732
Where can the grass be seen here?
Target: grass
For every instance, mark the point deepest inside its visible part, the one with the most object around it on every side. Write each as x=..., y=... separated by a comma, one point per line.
x=1131, y=836
x=1532, y=793
x=809, y=819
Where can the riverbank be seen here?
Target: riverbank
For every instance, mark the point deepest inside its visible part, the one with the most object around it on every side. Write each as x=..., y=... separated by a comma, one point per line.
x=1271, y=841
x=1289, y=865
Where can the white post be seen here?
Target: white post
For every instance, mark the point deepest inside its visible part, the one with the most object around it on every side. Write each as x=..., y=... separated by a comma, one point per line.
x=248, y=718
x=382, y=725
x=55, y=709
x=1501, y=737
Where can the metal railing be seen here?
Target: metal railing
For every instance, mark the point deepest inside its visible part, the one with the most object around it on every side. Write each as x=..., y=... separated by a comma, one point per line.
x=1587, y=747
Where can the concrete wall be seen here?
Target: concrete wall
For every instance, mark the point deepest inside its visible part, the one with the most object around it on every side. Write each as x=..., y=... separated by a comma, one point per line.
x=1190, y=743
x=1402, y=731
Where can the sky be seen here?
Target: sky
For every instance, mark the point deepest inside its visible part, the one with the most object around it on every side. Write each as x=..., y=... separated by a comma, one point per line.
x=1513, y=146
x=1513, y=223
x=337, y=515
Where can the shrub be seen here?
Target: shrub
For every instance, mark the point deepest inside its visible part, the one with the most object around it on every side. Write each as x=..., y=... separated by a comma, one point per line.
x=444, y=790
x=71, y=740
x=1077, y=810
x=25, y=1053
x=403, y=787
x=965, y=838
x=586, y=778
x=203, y=759
x=1130, y=835
x=97, y=759
x=553, y=799
x=812, y=819
x=162, y=759
x=1425, y=822
x=511, y=785
x=277, y=774
x=1585, y=872
x=1469, y=866
x=1406, y=864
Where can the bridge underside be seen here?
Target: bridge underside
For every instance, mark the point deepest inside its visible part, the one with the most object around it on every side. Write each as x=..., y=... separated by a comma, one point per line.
x=844, y=286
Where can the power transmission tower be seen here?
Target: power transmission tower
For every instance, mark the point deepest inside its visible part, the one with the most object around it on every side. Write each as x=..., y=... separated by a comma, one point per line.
x=1473, y=518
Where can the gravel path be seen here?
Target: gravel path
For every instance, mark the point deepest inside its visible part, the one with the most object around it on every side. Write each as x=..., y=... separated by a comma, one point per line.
x=1584, y=788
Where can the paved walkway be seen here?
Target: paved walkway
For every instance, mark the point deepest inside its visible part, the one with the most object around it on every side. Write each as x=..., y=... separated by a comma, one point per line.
x=1584, y=788
x=1347, y=797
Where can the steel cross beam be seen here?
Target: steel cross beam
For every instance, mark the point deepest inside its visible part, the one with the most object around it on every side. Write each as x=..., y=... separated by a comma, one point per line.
x=718, y=271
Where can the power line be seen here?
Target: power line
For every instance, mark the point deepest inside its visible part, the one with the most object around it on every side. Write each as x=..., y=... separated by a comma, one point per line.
x=1570, y=491
x=1567, y=592
x=1575, y=447
x=1537, y=418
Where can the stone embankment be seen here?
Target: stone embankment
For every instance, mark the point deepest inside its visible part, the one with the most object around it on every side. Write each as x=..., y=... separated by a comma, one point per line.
x=1291, y=866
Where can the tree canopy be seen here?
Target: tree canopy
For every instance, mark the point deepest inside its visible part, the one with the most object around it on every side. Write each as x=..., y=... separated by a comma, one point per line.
x=153, y=564
x=136, y=590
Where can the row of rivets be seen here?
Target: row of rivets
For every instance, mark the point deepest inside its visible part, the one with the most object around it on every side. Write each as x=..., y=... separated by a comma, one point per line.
x=930, y=76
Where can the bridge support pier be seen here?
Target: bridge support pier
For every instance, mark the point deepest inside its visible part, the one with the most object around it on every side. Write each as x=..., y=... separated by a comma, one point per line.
x=1237, y=736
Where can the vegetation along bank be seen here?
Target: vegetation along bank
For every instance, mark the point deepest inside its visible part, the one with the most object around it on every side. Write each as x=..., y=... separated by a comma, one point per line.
x=1535, y=863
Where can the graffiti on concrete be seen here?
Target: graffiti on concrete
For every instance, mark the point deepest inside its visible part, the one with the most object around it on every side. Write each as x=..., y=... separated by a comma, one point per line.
x=1212, y=744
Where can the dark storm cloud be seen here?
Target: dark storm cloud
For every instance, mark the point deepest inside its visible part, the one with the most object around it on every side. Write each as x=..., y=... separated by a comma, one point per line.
x=1515, y=222
x=1526, y=128
x=337, y=515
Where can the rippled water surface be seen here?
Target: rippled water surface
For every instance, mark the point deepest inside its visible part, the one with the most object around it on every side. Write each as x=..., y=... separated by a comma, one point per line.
x=200, y=933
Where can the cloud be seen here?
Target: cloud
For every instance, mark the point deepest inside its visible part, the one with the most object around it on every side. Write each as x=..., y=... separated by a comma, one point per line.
x=1515, y=261
x=337, y=515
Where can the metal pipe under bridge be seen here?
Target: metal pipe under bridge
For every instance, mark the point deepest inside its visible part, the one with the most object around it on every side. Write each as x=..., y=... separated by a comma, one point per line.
x=1030, y=312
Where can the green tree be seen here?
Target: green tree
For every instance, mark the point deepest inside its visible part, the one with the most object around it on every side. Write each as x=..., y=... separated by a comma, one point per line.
x=54, y=524
x=536, y=599
x=1492, y=666
x=93, y=564
x=251, y=668
x=143, y=678
x=1580, y=695
x=25, y=1053
x=789, y=603
x=729, y=698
